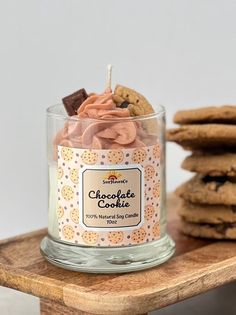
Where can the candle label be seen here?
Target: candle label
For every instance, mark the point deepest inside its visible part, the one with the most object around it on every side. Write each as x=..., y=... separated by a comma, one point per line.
x=109, y=197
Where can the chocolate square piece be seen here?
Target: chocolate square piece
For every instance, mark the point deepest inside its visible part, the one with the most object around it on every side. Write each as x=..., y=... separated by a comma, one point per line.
x=73, y=101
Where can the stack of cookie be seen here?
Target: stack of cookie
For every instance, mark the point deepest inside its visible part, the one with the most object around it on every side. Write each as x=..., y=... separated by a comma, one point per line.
x=208, y=206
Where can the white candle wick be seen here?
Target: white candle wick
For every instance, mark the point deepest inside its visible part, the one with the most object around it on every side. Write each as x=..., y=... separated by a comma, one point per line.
x=109, y=75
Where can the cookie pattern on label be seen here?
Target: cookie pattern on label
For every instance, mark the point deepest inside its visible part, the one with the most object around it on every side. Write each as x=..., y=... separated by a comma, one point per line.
x=70, y=163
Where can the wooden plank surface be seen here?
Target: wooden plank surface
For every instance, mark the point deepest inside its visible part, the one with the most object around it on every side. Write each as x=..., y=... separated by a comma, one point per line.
x=197, y=266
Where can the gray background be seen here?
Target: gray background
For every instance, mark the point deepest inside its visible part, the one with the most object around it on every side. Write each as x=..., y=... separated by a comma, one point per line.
x=179, y=53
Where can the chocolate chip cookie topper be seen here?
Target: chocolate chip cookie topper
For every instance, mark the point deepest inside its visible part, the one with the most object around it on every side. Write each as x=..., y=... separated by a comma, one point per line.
x=137, y=105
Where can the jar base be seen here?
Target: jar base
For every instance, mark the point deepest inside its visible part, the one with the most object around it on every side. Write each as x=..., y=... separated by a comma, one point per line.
x=107, y=260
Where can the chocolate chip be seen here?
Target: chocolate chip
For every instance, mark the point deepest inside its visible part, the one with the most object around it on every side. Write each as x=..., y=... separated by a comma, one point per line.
x=125, y=104
x=233, y=208
x=218, y=181
x=73, y=101
x=218, y=185
x=221, y=228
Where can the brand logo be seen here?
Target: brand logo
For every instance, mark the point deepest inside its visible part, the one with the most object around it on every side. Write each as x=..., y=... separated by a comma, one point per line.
x=114, y=177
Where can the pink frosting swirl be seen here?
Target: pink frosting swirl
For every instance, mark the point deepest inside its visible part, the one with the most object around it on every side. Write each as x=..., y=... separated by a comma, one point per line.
x=107, y=133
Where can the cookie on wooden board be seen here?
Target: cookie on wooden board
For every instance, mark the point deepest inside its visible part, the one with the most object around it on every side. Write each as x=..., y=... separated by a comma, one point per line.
x=202, y=213
x=211, y=164
x=215, y=231
x=211, y=114
x=208, y=136
x=209, y=190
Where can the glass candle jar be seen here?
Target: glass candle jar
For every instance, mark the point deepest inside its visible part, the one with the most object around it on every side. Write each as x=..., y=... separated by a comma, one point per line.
x=107, y=207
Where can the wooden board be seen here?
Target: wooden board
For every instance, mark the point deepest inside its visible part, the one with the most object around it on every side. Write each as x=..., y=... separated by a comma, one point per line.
x=197, y=266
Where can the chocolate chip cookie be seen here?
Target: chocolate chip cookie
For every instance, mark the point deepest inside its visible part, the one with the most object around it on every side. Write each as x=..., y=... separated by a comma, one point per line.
x=137, y=105
x=216, y=231
x=208, y=136
x=211, y=164
x=201, y=213
x=209, y=190
x=213, y=114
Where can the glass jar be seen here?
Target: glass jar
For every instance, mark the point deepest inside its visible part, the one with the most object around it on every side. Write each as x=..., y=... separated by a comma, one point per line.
x=107, y=192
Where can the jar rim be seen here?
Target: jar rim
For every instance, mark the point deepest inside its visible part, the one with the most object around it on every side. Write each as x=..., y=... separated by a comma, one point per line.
x=54, y=112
